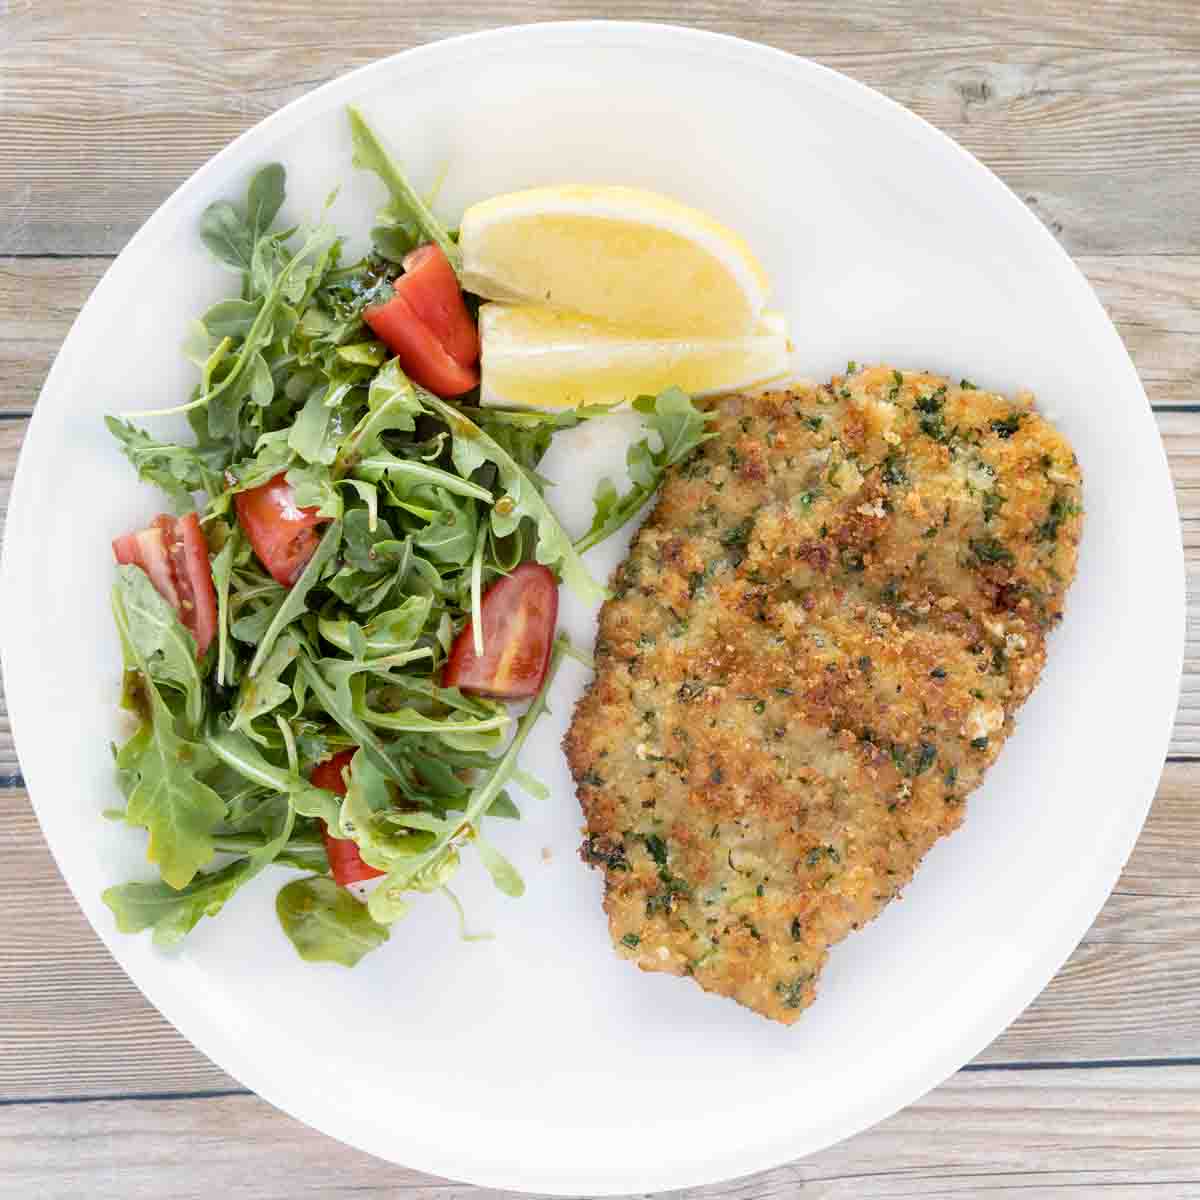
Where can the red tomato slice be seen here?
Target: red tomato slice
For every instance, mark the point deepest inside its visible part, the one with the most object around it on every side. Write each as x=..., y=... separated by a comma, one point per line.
x=427, y=327
x=328, y=775
x=431, y=289
x=344, y=859
x=519, y=614
x=174, y=554
x=283, y=535
x=193, y=576
x=147, y=548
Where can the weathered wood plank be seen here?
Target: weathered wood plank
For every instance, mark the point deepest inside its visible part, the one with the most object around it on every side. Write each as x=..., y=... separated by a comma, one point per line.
x=1183, y=453
x=1152, y=299
x=1127, y=992
x=39, y=300
x=12, y=433
x=1122, y=1133
x=1089, y=111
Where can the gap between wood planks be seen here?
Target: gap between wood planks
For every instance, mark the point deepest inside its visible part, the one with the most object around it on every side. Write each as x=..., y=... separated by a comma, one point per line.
x=1099, y=1064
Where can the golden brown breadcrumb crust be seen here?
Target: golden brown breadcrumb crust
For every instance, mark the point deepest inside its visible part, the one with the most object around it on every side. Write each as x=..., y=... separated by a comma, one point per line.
x=812, y=654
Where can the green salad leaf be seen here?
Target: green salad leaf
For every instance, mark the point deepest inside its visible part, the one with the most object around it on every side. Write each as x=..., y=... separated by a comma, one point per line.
x=520, y=499
x=325, y=923
x=434, y=866
x=406, y=207
x=165, y=795
x=161, y=646
x=172, y=913
x=178, y=470
x=168, y=798
x=293, y=603
x=676, y=428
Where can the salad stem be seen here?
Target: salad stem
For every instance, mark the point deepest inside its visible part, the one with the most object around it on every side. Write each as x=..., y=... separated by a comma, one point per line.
x=247, y=843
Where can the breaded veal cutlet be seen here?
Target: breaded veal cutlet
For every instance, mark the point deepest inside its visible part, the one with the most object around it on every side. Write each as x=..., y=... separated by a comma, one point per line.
x=812, y=654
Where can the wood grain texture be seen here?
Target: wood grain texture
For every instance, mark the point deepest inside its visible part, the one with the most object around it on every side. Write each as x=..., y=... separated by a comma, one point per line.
x=1088, y=110
x=1120, y=1133
x=39, y=300
x=1128, y=991
x=1151, y=298
x=11, y=435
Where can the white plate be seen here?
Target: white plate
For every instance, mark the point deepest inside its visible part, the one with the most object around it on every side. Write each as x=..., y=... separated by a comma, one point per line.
x=539, y=1061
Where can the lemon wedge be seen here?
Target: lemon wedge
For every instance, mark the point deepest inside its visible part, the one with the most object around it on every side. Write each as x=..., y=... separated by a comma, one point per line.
x=541, y=357
x=620, y=254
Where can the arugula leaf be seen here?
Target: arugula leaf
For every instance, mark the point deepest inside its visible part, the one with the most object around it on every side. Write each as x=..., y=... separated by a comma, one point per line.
x=316, y=433
x=222, y=573
x=265, y=691
x=678, y=424
x=389, y=632
x=381, y=833
x=408, y=473
x=371, y=550
x=294, y=601
x=421, y=869
x=451, y=533
x=164, y=648
x=392, y=404
x=226, y=235
x=314, y=436
x=172, y=913
x=408, y=720
x=166, y=796
x=244, y=376
x=314, y=488
x=230, y=238
x=168, y=799
x=325, y=923
x=264, y=197
x=340, y=708
x=241, y=756
x=406, y=206
x=530, y=785
x=395, y=241
x=504, y=875
x=676, y=429
x=178, y=470
x=230, y=318
x=304, y=857
x=526, y=435
x=472, y=447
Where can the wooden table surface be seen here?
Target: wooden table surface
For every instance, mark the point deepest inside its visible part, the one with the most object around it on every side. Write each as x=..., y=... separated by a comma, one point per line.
x=1089, y=109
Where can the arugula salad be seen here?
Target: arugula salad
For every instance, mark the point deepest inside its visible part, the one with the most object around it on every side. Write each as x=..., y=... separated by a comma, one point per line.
x=328, y=642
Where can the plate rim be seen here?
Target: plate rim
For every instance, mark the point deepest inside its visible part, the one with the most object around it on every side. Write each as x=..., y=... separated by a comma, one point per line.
x=935, y=1068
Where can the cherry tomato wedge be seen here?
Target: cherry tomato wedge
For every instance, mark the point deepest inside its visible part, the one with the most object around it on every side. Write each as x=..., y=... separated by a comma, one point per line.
x=427, y=327
x=344, y=859
x=431, y=289
x=519, y=614
x=283, y=535
x=173, y=552
x=328, y=775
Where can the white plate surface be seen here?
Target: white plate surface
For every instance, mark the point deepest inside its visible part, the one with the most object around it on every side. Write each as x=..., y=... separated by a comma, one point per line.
x=539, y=1060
